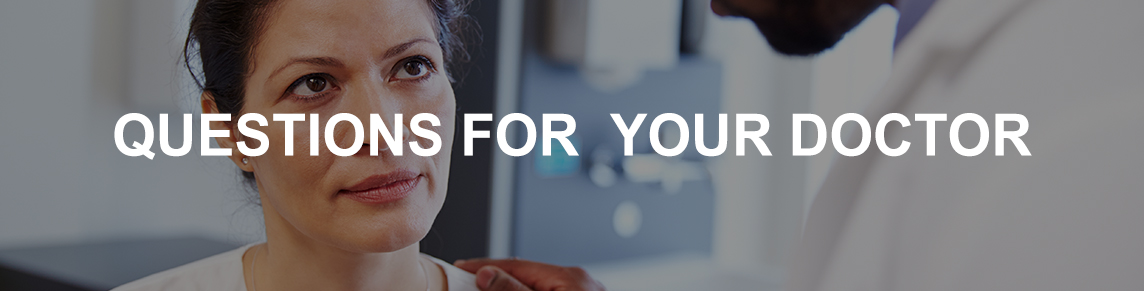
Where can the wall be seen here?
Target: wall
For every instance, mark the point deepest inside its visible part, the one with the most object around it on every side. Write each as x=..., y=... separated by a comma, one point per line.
x=65, y=79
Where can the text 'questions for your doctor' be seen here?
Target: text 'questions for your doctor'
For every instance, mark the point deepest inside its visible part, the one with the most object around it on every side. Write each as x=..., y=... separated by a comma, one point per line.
x=423, y=125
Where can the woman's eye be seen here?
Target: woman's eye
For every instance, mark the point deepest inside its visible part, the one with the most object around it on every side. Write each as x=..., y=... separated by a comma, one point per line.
x=413, y=68
x=311, y=85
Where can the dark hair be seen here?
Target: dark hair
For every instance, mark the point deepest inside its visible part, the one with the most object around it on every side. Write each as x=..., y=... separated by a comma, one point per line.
x=223, y=34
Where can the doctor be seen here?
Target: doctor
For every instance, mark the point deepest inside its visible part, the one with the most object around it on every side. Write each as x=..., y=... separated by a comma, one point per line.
x=1070, y=216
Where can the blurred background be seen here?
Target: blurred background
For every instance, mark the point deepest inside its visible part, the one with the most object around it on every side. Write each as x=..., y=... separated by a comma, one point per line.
x=76, y=214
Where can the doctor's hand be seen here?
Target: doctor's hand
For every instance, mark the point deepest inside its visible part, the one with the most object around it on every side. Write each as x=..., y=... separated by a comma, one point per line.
x=523, y=275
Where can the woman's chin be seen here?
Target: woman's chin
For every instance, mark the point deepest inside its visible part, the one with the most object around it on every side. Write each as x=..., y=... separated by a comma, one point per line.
x=381, y=247
x=390, y=231
x=382, y=241
x=379, y=227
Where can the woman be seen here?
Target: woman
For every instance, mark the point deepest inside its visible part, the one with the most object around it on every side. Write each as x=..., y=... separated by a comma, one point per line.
x=332, y=223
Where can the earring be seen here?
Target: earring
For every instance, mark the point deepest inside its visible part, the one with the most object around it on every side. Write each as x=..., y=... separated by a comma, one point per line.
x=245, y=161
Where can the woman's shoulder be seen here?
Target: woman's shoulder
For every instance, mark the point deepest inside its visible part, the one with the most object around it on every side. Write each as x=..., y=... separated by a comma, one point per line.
x=455, y=278
x=221, y=272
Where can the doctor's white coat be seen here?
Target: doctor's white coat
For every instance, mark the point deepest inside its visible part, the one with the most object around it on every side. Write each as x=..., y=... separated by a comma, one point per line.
x=1068, y=217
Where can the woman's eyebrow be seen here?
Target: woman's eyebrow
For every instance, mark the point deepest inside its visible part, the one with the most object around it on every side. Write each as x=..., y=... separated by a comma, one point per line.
x=318, y=61
x=332, y=62
x=398, y=49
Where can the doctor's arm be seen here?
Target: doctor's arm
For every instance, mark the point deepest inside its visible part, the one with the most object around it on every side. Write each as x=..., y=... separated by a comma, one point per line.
x=524, y=275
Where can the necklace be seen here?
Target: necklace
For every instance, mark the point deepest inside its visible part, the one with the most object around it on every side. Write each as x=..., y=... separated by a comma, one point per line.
x=254, y=259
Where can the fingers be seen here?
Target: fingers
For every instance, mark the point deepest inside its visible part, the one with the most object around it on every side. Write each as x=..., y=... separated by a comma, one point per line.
x=491, y=278
x=472, y=265
x=537, y=276
x=508, y=265
x=527, y=272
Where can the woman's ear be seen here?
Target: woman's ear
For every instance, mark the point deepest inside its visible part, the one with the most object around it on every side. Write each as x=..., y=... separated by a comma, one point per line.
x=229, y=141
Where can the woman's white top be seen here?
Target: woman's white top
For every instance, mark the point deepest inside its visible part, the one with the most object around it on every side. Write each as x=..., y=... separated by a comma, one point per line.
x=223, y=272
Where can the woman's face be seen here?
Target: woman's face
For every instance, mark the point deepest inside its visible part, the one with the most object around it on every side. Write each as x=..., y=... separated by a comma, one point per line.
x=358, y=57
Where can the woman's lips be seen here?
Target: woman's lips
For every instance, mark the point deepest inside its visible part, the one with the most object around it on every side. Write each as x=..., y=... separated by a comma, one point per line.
x=382, y=189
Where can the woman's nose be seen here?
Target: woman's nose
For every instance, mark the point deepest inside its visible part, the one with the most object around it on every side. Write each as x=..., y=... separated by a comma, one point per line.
x=373, y=105
x=383, y=147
